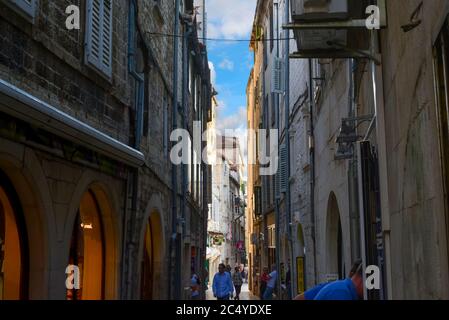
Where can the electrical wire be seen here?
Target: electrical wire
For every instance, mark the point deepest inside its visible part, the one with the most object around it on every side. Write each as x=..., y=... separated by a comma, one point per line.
x=160, y=34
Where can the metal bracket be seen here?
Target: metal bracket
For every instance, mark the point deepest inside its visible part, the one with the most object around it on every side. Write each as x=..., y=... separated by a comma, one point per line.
x=361, y=53
x=348, y=136
x=340, y=54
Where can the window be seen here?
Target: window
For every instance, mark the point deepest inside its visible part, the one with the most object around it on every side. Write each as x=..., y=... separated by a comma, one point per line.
x=265, y=53
x=265, y=114
x=268, y=190
x=26, y=8
x=195, y=101
x=99, y=35
x=165, y=127
x=271, y=28
x=257, y=200
x=191, y=74
x=272, y=236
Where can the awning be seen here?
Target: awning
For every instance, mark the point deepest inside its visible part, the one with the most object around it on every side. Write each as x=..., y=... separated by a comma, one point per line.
x=21, y=105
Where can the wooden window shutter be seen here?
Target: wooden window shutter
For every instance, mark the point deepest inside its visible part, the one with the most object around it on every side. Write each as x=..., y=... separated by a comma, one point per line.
x=283, y=179
x=99, y=35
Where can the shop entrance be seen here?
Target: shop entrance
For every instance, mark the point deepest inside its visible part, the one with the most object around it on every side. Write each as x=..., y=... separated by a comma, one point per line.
x=87, y=251
x=13, y=244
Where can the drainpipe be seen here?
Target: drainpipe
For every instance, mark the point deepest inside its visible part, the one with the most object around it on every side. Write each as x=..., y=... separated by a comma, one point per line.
x=185, y=101
x=204, y=23
x=287, y=135
x=352, y=172
x=174, y=250
x=312, y=168
x=277, y=191
x=379, y=119
x=138, y=77
x=133, y=176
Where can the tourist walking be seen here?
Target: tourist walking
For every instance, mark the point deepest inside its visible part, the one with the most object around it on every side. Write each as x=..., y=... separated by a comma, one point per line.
x=238, y=281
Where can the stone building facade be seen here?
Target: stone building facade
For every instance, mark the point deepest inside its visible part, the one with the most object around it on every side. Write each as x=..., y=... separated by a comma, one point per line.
x=399, y=180
x=86, y=177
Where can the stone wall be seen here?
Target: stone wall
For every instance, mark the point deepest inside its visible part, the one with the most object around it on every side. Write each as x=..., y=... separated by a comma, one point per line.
x=418, y=239
x=47, y=60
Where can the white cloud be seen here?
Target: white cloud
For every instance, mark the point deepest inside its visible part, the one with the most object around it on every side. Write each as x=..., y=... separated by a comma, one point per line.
x=230, y=18
x=234, y=121
x=226, y=64
x=213, y=73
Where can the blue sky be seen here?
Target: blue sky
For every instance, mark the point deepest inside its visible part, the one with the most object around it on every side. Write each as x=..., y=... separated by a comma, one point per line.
x=231, y=61
x=232, y=64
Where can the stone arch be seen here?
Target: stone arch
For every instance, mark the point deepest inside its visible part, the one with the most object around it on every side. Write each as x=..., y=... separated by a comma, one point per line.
x=153, y=219
x=335, y=262
x=23, y=170
x=106, y=197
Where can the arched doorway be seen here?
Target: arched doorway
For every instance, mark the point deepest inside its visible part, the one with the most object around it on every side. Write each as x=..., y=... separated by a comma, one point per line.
x=152, y=258
x=335, y=250
x=13, y=244
x=87, y=250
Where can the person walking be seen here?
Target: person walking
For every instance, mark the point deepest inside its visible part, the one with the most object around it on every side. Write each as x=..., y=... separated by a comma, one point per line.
x=271, y=284
x=228, y=270
x=263, y=282
x=238, y=281
x=243, y=273
x=222, y=286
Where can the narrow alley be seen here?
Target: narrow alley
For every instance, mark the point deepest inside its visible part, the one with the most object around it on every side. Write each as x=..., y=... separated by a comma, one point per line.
x=177, y=149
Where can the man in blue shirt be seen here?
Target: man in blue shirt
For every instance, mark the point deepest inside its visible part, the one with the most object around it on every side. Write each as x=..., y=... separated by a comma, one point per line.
x=348, y=289
x=222, y=285
x=313, y=292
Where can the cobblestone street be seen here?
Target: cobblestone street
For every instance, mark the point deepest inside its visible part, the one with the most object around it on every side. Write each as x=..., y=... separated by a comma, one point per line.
x=244, y=295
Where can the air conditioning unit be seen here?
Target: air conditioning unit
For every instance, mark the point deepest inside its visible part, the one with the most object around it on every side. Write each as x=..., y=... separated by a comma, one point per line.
x=309, y=10
x=320, y=39
x=333, y=41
